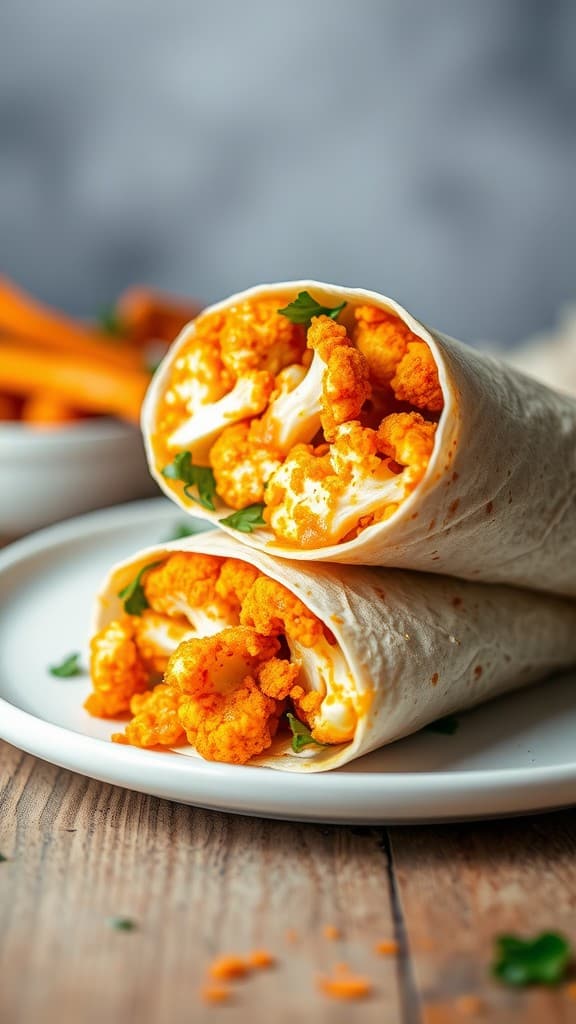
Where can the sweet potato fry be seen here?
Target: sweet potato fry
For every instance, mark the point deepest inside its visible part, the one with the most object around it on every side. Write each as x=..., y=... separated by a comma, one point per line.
x=146, y=314
x=80, y=380
x=22, y=317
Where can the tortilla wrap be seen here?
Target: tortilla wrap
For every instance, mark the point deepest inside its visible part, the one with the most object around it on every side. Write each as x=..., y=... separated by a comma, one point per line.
x=497, y=501
x=408, y=648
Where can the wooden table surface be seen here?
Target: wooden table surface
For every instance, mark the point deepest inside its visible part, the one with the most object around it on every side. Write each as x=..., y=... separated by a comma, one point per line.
x=200, y=883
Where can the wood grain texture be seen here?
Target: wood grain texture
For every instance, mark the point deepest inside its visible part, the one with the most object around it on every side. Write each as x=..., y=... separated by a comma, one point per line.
x=200, y=883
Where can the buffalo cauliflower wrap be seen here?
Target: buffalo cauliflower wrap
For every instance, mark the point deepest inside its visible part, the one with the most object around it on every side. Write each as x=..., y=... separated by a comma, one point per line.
x=326, y=423
x=213, y=649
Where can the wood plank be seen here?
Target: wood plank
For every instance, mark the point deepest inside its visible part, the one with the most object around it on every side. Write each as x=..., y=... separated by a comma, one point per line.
x=456, y=887
x=198, y=883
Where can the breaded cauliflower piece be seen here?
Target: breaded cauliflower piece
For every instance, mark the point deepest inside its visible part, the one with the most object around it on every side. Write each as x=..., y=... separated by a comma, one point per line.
x=155, y=722
x=226, y=715
x=249, y=397
x=117, y=669
x=242, y=464
x=346, y=379
x=253, y=336
x=408, y=439
x=383, y=338
x=293, y=414
x=232, y=727
x=416, y=378
x=156, y=637
x=235, y=580
x=277, y=678
x=317, y=500
x=185, y=586
x=273, y=610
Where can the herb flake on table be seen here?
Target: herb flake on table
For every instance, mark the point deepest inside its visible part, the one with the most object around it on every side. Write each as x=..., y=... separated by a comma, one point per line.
x=202, y=477
x=304, y=307
x=3, y=859
x=109, y=322
x=133, y=594
x=68, y=667
x=301, y=735
x=543, y=960
x=123, y=924
x=447, y=726
x=246, y=519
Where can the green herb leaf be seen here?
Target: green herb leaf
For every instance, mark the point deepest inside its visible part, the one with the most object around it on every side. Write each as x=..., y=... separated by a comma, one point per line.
x=123, y=924
x=301, y=735
x=69, y=666
x=3, y=859
x=540, y=961
x=305, y=307
x=133, y=595
x=246, y=519
x=182, y=468
x=447, y=726
x=182, y=530
x=109, y=322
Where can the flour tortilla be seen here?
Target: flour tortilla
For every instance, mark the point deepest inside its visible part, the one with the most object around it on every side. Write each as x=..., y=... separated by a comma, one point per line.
x=498, y=500
x=417, y=646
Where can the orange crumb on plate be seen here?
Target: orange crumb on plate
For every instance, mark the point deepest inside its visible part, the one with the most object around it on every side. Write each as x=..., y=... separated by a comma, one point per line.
x=225, y=968
x=469, y=1005
x=330, y=931
x=291, y=935
x=387, y=947
x=344, y=985
x=261, y=958
x=570, y=990
x=216, y=994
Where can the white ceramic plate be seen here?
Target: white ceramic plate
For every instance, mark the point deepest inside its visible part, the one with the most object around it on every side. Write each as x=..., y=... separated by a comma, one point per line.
x=512, y=756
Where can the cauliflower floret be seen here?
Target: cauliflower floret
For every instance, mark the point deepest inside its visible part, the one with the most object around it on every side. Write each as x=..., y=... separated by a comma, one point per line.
x=345, y=388
x=273, y=610
x=226, y=715
x=117, y=669
x=242, y=464
x=293, y=415
x=157, y=636
x=416, y=378
x=383, y=338
x=232, y=727
x=248, y=397
x=216, y=664
x=197, y=378
x=276, y=678
x=155, y=722
x=326, y=334
x=346, y=379
x=408, y=439
x=314, y=501
x=254, y=336
x=185, y=586
x=234, y=581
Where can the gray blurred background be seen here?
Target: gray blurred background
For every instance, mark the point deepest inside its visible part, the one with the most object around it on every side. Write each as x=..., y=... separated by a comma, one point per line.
x=425, y=148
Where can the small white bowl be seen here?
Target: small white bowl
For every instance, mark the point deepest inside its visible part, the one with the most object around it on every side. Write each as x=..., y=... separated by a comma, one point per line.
x=53, y=473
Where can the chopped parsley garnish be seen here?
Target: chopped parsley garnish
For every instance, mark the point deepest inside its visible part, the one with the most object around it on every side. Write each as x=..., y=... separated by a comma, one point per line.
x=447, y=726
x=122, y=924
x=305, y=307
x=109, y=322
x=201, y=477
x=246, y=519
x=69, y=666
x=543, y=960
x=301, y=735
x=182, y=530
x=133, y=596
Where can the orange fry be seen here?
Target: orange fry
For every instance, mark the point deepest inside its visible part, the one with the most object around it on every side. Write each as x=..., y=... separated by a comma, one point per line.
x=46, y=410
x=146, y=314
x=81, y=381
x=22, y=317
